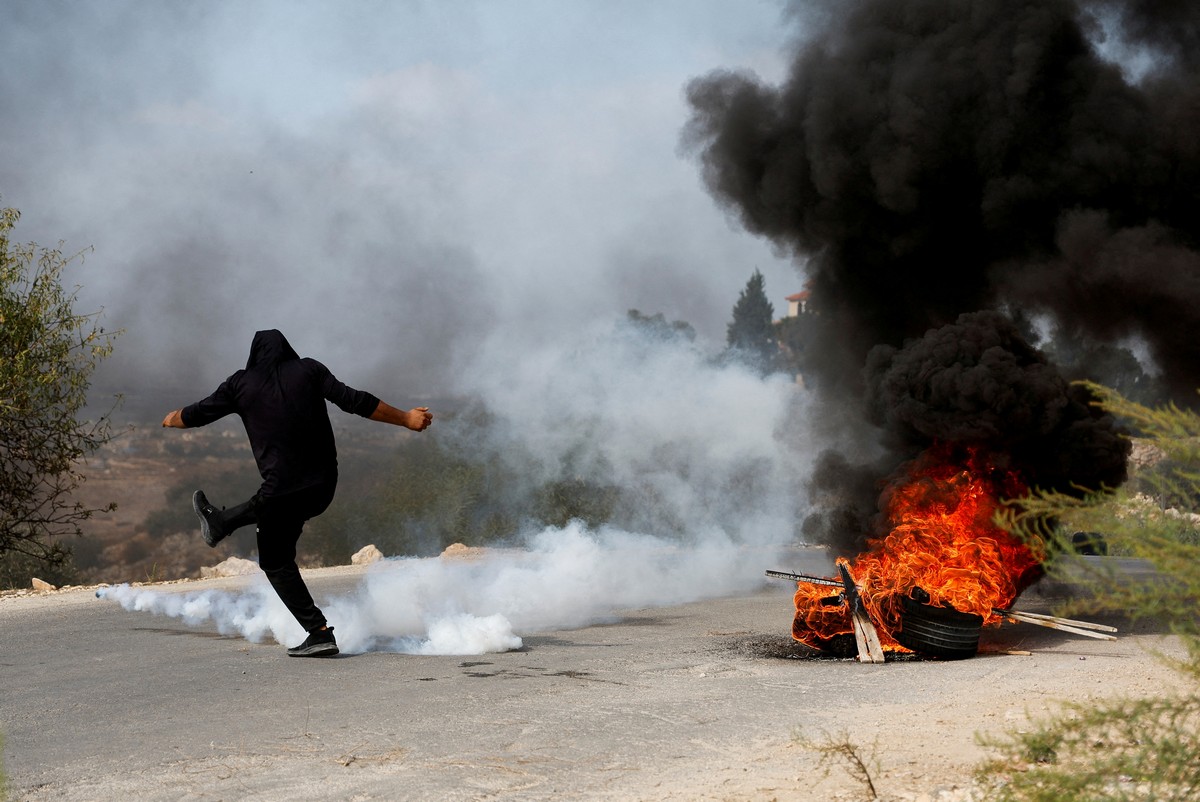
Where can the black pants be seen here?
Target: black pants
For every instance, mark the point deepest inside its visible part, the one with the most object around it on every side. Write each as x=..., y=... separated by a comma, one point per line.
x=280, y=521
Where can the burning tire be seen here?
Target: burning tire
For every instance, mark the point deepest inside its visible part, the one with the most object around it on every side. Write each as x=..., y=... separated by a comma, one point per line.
x=842, y=645
x=939, y=631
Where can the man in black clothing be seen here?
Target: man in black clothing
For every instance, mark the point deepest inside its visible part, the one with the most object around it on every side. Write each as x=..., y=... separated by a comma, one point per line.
x=281, y=401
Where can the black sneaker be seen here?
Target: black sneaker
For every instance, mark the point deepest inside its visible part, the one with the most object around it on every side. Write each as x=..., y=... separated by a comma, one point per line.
x=319, y=643
x=210, y=519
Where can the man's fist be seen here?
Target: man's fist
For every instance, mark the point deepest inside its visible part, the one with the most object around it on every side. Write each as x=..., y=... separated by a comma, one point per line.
x=419, y=418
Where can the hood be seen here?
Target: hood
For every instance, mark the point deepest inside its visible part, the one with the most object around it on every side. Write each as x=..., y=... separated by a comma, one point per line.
x=268, y=349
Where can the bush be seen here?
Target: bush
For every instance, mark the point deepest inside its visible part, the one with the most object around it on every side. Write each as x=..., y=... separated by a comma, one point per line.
x=47, y=355
x=1125, y=749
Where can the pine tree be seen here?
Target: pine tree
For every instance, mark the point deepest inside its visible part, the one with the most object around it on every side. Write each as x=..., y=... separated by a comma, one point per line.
x=750, y=335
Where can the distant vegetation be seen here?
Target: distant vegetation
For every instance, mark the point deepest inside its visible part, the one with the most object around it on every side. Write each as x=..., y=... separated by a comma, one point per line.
x=427, y=494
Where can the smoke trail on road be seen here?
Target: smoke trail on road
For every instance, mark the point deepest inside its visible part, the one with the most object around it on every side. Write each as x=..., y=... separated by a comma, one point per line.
x=565, y=578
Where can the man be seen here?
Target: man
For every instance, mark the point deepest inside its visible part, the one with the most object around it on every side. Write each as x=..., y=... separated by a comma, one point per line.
x=281, y=401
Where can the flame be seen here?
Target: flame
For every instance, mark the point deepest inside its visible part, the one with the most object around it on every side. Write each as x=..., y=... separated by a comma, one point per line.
x=940, y=539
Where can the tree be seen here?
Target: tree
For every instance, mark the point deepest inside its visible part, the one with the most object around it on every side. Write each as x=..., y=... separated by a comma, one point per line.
x=47, y=355
x=656, y=326
x=750, y=335
x=795, y=335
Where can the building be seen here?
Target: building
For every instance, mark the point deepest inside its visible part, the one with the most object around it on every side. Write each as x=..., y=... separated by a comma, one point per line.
x=797, y=304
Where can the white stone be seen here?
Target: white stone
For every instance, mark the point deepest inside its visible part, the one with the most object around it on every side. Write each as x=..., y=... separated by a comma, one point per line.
x=460, y=551
x=42, y=585
x=366, y=555
x=234, y=566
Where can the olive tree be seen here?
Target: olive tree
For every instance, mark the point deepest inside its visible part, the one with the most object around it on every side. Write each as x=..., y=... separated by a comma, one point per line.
x=47, y=355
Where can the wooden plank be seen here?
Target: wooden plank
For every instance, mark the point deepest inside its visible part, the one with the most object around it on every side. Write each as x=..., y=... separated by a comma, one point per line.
x=865, y=636
x=1071, y=622
x=867, y=639
x=1055, y=623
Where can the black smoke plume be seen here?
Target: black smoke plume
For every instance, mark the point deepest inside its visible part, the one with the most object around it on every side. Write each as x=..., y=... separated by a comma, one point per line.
x=929, y=159
x=975, y=384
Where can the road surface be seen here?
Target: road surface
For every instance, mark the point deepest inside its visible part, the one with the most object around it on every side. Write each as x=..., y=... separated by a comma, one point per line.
x=702, y=701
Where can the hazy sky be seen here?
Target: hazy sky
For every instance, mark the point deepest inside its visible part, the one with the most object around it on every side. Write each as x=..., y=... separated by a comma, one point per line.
x=386, y=182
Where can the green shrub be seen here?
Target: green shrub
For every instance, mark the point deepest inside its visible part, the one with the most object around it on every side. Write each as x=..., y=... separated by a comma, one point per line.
x=1125, y=749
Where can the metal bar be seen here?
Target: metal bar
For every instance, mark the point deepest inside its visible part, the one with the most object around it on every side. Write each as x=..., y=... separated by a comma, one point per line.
x=812, y=580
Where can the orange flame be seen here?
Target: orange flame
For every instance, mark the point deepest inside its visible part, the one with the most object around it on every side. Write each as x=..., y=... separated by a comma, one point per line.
x=941, y=539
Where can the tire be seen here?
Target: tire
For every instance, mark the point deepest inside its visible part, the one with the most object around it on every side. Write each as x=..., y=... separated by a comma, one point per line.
x=939, y=631
x=842, y=646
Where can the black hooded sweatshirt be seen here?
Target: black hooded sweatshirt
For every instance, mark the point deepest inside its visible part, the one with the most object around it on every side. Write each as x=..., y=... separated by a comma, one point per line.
x=281, y=401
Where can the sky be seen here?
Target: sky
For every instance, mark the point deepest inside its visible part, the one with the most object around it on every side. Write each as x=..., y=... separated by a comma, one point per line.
x=388, y=183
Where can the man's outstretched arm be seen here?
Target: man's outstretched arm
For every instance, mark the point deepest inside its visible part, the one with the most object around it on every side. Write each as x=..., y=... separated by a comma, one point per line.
x=417, y=418
x=204, y=412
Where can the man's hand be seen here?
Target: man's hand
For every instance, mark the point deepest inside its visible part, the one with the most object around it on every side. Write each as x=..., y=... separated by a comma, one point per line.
x=417, y=418
x=174, y=420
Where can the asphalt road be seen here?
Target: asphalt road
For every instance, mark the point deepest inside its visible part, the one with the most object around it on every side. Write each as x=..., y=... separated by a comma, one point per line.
x=698, y=701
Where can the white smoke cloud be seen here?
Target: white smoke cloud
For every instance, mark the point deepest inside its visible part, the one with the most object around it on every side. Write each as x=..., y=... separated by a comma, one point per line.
x=254, y=613
x=430, y=172
x=719, y=449
x=564, y=578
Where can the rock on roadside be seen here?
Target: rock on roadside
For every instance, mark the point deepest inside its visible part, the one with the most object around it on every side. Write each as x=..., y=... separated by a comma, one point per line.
x=234, y=566
x=366, y=555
